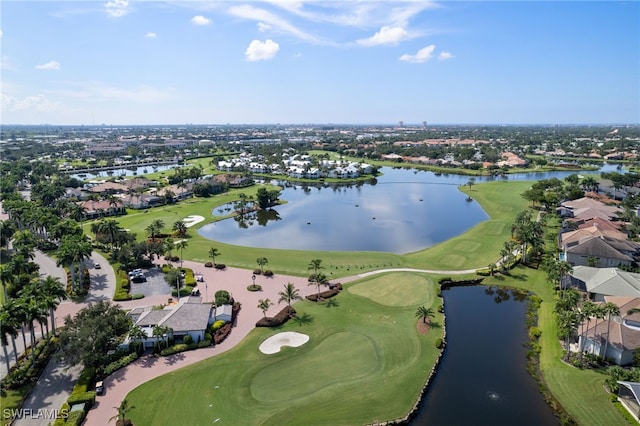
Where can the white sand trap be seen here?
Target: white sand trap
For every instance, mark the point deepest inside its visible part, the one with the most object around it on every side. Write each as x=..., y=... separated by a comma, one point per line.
x=192, y=220
x=289, y=338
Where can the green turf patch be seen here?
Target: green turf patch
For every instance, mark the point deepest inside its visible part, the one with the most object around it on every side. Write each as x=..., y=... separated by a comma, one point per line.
x=452, y=261
x=494, y=228
x=397, y=289
x=316, y=370
x=467, y=246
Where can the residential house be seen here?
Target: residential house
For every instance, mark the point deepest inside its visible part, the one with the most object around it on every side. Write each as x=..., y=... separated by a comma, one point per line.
x=187, y=317
x=94, y=209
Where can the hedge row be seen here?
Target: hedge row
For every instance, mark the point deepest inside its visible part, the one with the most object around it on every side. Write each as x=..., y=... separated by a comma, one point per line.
x=323, y=295
x=122, y=362
x=221, y=333
x=281, y=317
x=122, y=286
x=27, y=371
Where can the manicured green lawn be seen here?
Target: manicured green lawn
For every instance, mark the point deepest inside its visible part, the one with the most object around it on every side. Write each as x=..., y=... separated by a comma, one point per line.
x=364, y=362
x=580, y=392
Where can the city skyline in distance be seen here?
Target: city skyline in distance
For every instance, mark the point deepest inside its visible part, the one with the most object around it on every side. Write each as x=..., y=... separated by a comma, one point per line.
x=124, y=62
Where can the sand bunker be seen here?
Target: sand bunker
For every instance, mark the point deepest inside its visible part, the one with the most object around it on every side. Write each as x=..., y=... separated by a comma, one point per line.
x=289, y=338
x=192, y=220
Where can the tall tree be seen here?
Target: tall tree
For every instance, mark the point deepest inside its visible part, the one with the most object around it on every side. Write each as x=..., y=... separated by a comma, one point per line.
x=213, y=253
x=92, y=333
x=290, y=294
x=611, y=310
x=262, y=261
x=424, y=313
x=180, y=227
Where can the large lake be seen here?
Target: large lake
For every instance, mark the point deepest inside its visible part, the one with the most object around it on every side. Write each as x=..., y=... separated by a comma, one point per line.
x=404, y=211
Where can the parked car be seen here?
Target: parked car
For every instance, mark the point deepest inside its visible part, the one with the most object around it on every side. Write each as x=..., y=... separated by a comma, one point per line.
x=139, y=279
x=97, y=265
x=99, y=388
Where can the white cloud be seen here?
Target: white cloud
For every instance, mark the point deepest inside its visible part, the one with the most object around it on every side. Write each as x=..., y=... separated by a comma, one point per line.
x=443, y=56
x=151, y=35
x=423, y=55
x=200, y=20
x=117, y=8
x=262, y=27
x=261, y=51
x=1, y=33
x=267, y=20
x=51, y=65
x=37, y=103
x=386, y=35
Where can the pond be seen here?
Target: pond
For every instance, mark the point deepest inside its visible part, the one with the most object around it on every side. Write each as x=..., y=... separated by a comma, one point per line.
x=482, y=378
x=401, y=211
x=131, y=171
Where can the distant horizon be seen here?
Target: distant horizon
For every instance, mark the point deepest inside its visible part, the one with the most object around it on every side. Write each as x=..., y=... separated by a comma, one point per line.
x=395, y=125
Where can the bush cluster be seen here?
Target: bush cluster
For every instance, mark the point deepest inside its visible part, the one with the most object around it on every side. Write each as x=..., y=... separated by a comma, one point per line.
x=222, y=297
x=208, y=265
x=220, y=266
x=217, y=325
x=281, y=317
x=268, y=273
x=439, y=343
x=221, y=333
x=122, y=286
x=26, y=370
x=122, y=362
x=323, y=295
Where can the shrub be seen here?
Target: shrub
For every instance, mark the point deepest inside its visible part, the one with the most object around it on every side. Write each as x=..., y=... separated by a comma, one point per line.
x=122, y=362
x=535, y=333
x=280, y=318
x=220, y=266
x=218, y=325
x=257, y=272
x=268, y=273
x=184, y=291
x=439, y=343
x=222, y=334
x=323, y=295
x=207, y=336
x=444, y=280
x=187, y=340
x=483, y=272
x=88, y=397
x=222, y=297
x=204, y=343
x=166, y=268
x=208, y=265
x=180, y=347
x=76, y=417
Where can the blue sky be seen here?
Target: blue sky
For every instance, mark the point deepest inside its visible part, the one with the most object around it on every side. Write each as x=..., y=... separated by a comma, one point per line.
x=297, y=62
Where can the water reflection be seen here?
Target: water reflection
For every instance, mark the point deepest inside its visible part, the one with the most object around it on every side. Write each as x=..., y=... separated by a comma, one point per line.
x=483, y=378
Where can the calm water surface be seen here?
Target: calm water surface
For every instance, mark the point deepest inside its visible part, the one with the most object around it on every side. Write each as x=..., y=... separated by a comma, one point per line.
x=482, y=378
x=404, y=211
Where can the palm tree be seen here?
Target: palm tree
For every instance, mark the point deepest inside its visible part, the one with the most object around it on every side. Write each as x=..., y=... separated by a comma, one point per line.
x=123, y=409
x=424, y=313
x=598, y=313
x=471, y=182
x=160, y=331
x=261, y=261
x=289, y=294
x=316, y=265
x=318, y=280
x=213, y=253
x=154, y=228
x=568, y=321
x=52, y=292
x=7, y=328
x=586, y=312
x=182, y=244
x=34, y=311
x=263, y=305
x=137, y=334
x=180, y=227
x=610, y=309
